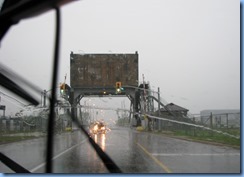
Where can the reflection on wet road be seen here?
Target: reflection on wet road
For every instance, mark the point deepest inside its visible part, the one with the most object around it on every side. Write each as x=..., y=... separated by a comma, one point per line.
x=132, y=151
x=100, y=139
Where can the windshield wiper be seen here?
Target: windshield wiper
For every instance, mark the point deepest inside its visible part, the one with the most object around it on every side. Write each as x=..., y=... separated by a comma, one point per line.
x=108, y=162
x=12, y=164
x=15, y=88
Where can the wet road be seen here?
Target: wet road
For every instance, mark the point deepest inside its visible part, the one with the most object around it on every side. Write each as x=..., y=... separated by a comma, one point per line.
x=132, y=151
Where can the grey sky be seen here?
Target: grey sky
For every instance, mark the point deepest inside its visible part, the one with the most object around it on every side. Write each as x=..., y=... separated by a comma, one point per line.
x=188, y=48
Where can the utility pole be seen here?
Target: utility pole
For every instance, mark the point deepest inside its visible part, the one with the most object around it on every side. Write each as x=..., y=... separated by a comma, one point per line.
x=211, y=123
x=159, y=121
x=158, y=102
x=41, y=99
x=227, y=121
x=145, y=104
x=44, y=98
x=144, y=93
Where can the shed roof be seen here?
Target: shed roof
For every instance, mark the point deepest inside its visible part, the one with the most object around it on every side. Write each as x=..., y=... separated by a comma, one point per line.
x=173, y=107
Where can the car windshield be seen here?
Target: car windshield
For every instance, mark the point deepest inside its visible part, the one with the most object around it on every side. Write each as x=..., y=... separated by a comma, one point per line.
x=127, y=86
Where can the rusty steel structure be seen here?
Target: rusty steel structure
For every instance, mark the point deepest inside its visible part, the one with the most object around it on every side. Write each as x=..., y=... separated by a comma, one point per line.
x=99, y=75
x=103, y=70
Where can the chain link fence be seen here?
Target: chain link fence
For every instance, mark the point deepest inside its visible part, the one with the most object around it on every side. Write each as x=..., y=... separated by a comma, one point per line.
x=33, y=123
x=227, y=124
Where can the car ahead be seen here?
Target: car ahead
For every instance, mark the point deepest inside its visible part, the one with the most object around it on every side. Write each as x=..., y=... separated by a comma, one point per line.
x=98, y=128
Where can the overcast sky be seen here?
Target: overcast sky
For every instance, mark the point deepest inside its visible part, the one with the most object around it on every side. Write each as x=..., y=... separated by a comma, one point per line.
x=188, y=48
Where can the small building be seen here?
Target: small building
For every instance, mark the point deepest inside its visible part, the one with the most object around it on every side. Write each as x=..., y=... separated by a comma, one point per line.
x=172, y=110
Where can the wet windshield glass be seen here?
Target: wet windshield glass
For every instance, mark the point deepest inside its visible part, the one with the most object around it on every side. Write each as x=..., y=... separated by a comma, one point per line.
x=155, y=85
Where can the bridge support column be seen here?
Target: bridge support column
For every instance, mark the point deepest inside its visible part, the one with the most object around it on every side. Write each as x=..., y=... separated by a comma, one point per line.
x=73, y=105
x=137, y=107
x=75, y=98
x=134, y=97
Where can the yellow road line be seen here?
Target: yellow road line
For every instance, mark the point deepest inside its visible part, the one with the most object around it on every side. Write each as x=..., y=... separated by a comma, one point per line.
x=155, y=159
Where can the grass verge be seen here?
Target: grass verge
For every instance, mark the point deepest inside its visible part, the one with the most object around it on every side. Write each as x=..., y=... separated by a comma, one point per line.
x=18, y=136
x=10, y=139
x=206, y=136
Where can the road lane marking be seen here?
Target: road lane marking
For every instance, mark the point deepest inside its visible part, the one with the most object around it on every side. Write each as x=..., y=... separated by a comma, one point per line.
x=165, y=168
x=191, y=154
x=58, y=155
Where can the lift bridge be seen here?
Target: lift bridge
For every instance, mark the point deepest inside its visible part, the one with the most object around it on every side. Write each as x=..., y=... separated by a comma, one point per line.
x=114, y=75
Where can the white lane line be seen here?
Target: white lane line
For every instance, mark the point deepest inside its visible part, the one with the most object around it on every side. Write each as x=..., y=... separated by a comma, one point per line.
x=190, y=154
x=58, y=155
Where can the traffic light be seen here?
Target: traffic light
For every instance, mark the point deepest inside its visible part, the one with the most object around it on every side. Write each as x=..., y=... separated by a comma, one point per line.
x=62, y=88
x=118, y=87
